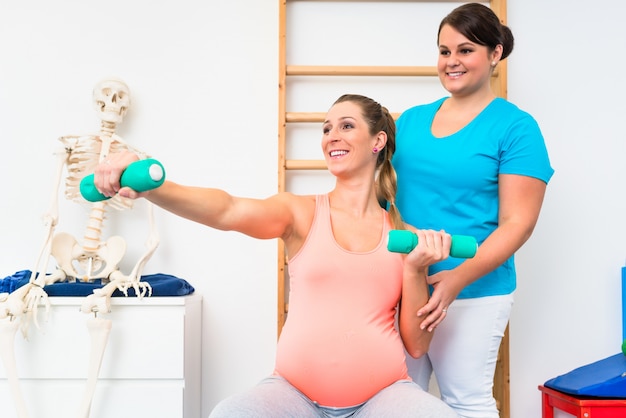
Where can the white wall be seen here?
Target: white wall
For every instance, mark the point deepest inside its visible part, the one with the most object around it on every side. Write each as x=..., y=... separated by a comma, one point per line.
x=568, y=308
x=203, y=77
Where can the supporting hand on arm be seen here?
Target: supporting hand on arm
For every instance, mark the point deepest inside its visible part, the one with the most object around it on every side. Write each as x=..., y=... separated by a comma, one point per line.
x=520, y=203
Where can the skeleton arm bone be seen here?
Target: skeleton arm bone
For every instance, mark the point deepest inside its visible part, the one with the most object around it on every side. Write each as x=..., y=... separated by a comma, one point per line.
x=51, y=217
x=19, y=302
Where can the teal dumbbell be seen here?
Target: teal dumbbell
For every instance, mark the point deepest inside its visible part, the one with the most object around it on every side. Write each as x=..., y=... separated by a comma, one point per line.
x=403, y=241
x=141, y=176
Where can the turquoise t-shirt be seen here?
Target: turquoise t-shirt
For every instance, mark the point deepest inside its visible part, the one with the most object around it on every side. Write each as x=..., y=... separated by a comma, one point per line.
x=451, y=183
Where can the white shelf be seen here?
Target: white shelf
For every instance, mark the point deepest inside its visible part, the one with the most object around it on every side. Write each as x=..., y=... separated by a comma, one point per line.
x=151, y=366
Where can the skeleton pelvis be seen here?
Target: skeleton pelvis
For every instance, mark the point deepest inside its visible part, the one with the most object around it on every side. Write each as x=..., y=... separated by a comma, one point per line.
x=77, y=263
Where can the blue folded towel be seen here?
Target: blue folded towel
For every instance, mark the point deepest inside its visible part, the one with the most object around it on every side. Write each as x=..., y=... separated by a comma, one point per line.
x=162, y=285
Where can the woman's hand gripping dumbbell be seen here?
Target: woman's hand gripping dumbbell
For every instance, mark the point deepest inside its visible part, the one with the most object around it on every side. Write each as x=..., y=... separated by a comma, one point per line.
x=141, y=176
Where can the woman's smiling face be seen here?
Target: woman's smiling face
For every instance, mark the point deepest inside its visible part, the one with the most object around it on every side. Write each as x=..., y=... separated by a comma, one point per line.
x=346, y=141
x=463, y=66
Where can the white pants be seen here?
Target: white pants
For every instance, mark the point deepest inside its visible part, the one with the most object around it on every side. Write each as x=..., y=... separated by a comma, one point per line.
x=463, y=355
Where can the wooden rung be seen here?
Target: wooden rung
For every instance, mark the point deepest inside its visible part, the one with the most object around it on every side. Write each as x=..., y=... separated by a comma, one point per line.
x=305, y=165
x=313, y=116
x=352, y=70
x=305, y=116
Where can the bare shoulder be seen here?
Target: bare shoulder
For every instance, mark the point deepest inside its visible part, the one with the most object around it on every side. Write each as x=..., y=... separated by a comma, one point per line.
x=295, y=200
x=302, y=206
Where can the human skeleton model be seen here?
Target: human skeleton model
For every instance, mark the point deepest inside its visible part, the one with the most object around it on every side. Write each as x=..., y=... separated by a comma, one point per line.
x=94, y=258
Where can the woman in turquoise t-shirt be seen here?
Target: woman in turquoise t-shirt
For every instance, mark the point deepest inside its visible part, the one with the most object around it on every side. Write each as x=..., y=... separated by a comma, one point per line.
x=471, y=164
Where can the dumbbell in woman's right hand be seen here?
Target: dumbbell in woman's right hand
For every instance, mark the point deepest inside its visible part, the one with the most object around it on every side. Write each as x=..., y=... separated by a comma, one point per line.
x=141, y=176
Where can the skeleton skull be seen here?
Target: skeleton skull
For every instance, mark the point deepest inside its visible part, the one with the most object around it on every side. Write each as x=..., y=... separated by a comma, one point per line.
x=111, y=98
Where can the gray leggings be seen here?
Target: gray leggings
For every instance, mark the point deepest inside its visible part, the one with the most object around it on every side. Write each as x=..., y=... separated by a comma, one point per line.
x=274, y=397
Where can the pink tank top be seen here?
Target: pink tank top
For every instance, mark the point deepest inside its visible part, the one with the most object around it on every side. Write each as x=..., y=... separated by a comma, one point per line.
x=339, y=345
